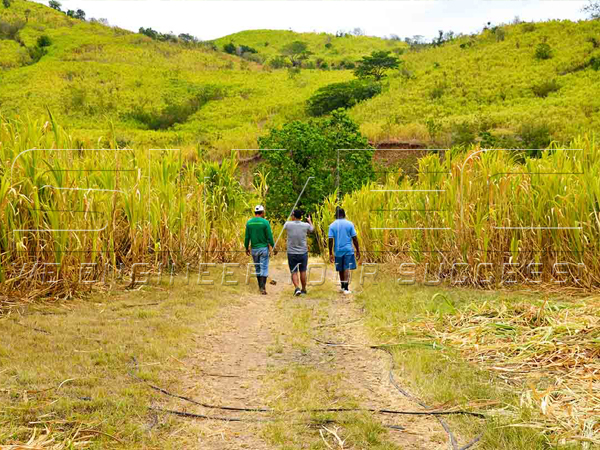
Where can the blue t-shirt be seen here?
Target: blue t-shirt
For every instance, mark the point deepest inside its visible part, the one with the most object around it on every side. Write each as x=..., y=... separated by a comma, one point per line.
x=342, y=231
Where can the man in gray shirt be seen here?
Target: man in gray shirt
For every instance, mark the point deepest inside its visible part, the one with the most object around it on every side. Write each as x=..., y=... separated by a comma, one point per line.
x=297, y=250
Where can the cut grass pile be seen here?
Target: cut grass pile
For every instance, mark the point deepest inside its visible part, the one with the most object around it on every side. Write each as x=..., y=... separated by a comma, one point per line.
x=531, y=360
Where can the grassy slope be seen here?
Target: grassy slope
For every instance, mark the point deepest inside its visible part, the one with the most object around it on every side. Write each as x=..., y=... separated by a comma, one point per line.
x=95, y=77
x=270, y=42
x=489, y=84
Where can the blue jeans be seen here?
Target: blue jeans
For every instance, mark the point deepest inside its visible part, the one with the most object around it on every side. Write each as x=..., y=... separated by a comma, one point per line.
x=260, y=256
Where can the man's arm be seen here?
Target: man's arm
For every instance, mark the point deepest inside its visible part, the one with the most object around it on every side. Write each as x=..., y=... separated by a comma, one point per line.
x=270, y=238
x=355, y=242
x=330, y=242
x=247, y=241
x=312, y=227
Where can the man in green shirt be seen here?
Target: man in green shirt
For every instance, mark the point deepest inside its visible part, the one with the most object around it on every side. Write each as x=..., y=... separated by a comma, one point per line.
x=257, y=241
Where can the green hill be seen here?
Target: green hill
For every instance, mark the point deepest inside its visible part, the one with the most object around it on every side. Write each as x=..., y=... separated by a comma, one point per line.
x=100, y=81
x=95, y=78
x=336, y=51
x=493, y=82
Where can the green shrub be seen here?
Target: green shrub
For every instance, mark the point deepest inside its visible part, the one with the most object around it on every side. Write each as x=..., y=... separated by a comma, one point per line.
x=545, y=88
x=36, y=53
x=595, y=63
x=463, y=134
x=500, y=34
x=43, y=41
x=321, y=64
x=543, y=51
x=341, y=95
x=10, y=30
x=278, y=62
x=535, y=136
x=347, y=64
x=176, y=112
x=246, y=49
x=528, y=27
x=230, y=48
x=438, y=90
x=254, y=57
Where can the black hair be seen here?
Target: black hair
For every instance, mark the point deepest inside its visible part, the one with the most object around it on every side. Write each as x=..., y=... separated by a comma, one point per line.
x=340, y=213
x=297, y=213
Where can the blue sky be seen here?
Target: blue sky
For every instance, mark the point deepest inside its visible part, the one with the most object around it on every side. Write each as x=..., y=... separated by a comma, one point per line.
x=209, y=19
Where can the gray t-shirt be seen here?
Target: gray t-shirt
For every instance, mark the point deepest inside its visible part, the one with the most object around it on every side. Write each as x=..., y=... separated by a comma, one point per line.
x=296, y=236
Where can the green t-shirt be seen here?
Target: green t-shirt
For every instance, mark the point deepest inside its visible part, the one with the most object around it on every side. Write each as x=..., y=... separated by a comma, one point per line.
x=258, y=232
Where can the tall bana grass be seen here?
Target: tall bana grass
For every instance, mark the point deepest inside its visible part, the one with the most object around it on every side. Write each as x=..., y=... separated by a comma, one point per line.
x=71, y=214
x=108, y=209
x=489, y=217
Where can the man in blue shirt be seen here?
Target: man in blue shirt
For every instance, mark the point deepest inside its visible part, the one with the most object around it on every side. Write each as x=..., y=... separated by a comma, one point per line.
x=341, y=236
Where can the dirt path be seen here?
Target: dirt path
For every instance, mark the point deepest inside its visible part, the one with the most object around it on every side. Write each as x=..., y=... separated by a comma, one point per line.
x=244, y=359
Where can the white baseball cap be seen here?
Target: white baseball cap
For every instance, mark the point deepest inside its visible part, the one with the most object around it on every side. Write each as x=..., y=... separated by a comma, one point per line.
x=259, y=208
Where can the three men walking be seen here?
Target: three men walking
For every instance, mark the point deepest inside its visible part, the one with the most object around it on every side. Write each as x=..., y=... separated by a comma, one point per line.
x=342, y=240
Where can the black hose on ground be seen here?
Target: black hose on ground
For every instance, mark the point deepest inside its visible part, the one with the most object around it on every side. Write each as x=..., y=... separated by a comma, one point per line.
x=442, y=422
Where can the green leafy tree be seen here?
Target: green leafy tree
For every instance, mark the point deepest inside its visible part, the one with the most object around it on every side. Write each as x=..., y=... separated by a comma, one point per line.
x=188, y=38
x=6, y=3
x=376, y=65
x=296, y=51
x=311, y=150
x=54, y=4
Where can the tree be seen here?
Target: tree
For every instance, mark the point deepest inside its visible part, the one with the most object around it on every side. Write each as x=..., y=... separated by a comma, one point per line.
x=152, y=34
x=188, y=38
x=592, y=9
x=230, y=48
x=311, y=150
x=6, y=3
x=376, y=65
x=296, y=51
x=80, y=14
x=55, y=4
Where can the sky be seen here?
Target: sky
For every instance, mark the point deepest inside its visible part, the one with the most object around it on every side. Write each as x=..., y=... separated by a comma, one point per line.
x=209, y=19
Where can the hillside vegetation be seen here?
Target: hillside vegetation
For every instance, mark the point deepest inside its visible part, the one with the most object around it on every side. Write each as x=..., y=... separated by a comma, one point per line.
x=341, y=50
x=494, y=82
x=489, y=88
